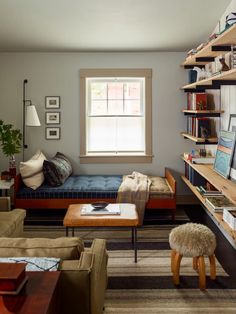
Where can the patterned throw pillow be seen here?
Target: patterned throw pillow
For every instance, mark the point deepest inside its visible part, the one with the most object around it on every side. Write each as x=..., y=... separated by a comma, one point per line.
x=57, y=170
x=34, y=263
x=32, y=170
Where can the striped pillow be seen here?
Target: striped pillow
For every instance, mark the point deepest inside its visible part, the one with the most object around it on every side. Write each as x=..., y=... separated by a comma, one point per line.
x=32, y=170
x=57, y=169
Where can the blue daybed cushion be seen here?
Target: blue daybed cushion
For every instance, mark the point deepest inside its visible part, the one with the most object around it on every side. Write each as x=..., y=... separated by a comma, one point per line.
x=85, y=186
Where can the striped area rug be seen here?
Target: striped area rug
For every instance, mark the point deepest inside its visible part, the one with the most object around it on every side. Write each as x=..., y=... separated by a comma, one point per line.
x=146, y=286
x=154, y=301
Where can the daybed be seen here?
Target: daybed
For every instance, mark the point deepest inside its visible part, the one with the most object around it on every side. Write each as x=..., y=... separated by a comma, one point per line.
x=90, y=188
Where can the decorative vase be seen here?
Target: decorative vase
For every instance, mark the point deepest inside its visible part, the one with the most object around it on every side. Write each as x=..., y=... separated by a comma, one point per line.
x=12, y=166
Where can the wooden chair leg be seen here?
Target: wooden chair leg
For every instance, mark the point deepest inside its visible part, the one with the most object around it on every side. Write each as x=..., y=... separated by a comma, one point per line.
x=177, y=261
x=202, y=274
x=195, y=267
x=173, y=252
x=212, y=267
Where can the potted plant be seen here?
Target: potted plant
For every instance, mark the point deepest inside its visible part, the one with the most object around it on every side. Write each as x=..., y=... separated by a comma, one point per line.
x=10, y=141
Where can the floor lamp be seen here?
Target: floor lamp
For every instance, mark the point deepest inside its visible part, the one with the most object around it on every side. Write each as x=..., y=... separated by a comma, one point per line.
x=30, y=116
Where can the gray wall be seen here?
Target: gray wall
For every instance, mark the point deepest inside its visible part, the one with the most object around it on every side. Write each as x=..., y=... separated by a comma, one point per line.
x=57, y=74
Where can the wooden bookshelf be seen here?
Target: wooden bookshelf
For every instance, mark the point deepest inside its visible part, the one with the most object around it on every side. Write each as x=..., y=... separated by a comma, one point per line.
x=199, y=140
x=217, y=217
x=227, y=38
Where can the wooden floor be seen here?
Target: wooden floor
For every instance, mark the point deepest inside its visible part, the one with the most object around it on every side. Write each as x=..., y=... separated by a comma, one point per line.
x=225, y=253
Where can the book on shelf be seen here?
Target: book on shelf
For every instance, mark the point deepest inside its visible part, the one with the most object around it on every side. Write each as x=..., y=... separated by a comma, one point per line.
x=218, y=203
x=196, y=101
x=195, y=126
x=110, y=209
x=206, y=193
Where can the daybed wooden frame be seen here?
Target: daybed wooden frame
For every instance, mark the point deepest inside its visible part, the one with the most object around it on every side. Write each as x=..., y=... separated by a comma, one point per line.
x=62, y=203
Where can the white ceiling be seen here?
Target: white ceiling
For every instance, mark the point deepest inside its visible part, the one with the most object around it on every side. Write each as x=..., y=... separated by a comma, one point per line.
x=107, y=25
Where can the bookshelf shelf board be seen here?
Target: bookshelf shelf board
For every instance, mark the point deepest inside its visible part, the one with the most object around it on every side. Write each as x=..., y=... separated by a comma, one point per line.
x=205, y=113
x=199, y=140
x=189, y=162
x=225, y=186
x=218, y=217
x=227, y=38
x=227, y=77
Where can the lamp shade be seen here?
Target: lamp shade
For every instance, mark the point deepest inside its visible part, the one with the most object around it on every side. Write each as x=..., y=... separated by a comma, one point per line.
x=31, y=118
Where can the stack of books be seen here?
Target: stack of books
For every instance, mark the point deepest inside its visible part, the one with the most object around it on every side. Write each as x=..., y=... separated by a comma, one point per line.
x=218, y=203
x=207, y=193
x=12, y=277
x=197, y=159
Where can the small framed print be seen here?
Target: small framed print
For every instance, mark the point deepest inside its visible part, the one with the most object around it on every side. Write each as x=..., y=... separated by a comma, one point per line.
x=53, y=133
x=53, y=118
x=52, y=102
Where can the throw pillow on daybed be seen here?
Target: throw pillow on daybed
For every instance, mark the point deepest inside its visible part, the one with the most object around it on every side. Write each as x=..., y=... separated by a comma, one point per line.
x=32, y=170
x=57, y=169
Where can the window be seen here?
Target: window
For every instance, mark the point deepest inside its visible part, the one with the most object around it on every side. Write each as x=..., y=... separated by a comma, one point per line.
x=115, y=114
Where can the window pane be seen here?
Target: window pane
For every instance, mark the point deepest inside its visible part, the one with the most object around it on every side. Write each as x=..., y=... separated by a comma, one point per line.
x=98, y=107
x=130, y=134
x=115, y=90
x=132, y=107
x=132, y=90
x=101, y=134
x=115, y=107
x=98, y=90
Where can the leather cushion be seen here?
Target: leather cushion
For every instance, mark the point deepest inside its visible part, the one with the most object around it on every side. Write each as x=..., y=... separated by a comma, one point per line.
x=57, y=170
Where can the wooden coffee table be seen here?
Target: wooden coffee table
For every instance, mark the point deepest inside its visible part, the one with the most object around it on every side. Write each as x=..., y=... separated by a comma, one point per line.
x=128, y=218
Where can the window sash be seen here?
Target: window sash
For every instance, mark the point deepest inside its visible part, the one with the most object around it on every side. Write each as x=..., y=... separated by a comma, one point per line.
x=86, y=158
x=107, y=100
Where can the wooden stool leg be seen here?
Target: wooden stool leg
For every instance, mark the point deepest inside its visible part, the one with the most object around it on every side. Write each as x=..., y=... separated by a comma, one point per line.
x=212, y=267
x=177, y=261
x=202, y=274
x=173, y=252
x=195, y=267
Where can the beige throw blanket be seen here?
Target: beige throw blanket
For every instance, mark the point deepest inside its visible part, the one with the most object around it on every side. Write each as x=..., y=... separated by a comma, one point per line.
x=135, y=189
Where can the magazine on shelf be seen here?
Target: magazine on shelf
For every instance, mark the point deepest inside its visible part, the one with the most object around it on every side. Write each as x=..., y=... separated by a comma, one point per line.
x=217, y=203
x=110, y=209
x=205, y=192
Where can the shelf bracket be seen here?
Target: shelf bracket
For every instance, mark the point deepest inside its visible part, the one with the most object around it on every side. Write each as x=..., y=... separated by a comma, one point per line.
x=218, y=83
x=205, y=59
x=191, y=66
x=221, y=48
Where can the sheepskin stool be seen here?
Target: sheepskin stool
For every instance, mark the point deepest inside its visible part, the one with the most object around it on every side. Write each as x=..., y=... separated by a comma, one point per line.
x=193, y=240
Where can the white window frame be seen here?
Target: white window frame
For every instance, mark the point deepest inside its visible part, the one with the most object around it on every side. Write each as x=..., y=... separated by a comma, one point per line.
x=145, y=157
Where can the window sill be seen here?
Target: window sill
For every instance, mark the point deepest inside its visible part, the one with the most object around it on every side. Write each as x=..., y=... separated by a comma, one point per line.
x=102, y=159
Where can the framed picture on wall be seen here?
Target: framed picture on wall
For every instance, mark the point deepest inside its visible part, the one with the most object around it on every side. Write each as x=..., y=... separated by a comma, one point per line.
x=52, y=102
x=53, y=133
x=224, y=153
x=53, y=118
x=232, y=128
